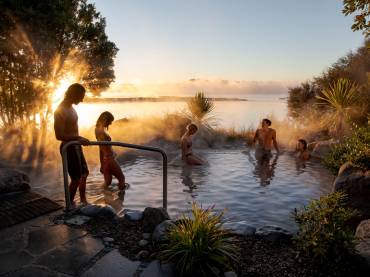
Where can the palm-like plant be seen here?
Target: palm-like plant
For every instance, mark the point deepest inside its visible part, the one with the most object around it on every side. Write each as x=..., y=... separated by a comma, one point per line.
x=198, y=245
x=200, y=108
x=341, y=97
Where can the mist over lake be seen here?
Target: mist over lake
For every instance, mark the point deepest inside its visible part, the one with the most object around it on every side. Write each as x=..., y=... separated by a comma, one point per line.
x=228, y=114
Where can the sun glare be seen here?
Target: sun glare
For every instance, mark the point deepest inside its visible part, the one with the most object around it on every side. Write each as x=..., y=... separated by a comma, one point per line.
x=60, y=89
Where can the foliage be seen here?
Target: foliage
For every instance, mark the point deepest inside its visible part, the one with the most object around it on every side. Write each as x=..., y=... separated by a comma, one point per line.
x=40, y=43
x=198, y=245
x=200, y=108
x=361, y=8
x=232, y=134
x=300, y=97
x=354, y=149
x=323, y=234
x=354, y=67
x=342, y=99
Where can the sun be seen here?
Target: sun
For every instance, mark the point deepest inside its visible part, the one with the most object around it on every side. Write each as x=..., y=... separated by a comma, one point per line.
x=60, y=88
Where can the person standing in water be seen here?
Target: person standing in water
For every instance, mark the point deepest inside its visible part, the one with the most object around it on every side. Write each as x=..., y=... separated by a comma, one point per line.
x=66, y=129
x=266, y=138
x=109, y=165
x=186, y=146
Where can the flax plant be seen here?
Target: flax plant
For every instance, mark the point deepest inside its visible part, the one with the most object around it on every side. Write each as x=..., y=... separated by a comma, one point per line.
x=342, y=99
x=198, y=245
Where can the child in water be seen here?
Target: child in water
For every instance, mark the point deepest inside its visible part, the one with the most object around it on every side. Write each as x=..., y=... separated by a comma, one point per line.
x=302, y=151
x=109, y=165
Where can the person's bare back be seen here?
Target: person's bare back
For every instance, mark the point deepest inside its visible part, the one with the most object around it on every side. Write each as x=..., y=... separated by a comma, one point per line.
x=266, y=136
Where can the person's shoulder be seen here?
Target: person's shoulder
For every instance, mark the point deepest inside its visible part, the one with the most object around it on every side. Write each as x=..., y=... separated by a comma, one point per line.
x=272, y=130
x=59, y=111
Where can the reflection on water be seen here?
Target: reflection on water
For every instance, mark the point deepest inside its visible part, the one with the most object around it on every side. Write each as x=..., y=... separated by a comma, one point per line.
x=260, y=192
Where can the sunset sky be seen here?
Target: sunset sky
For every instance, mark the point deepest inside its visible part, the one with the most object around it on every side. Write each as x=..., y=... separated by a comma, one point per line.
x=223, y=45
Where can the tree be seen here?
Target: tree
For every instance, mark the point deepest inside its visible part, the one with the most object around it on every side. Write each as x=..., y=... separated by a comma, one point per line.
x=355, y=67
x=40, y=43
x=361, y=9
x=44, y=43
x=300, y=98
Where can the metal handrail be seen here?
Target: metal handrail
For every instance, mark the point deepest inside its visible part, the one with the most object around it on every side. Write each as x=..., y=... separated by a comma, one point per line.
x=114, y=143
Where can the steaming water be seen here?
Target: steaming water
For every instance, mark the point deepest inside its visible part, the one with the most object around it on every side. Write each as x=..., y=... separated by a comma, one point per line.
x=254, y=192
x=238, y=114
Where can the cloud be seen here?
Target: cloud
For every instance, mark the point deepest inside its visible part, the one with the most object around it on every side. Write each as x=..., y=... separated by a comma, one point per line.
x=213, y=88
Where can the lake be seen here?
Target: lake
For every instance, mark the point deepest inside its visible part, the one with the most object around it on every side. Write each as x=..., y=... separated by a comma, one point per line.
x=238, y=114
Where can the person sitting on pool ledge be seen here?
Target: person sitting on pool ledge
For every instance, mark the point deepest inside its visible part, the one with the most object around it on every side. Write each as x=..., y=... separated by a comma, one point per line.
x=66, y=129
x=266, y=138
x=186, y=146
x=109, y=166
x=302, y=151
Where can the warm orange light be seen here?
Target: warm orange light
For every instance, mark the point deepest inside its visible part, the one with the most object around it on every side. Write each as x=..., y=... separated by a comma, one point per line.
x=60, y=89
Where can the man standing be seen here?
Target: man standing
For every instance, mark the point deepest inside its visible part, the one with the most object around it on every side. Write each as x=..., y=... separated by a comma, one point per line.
x=66, y=129
x=266, y=138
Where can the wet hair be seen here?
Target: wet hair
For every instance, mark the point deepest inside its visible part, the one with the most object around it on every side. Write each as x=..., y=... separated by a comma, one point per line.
x=304, y=143
x=267, y=121
x=75, y=90
x=104, y=119
x=192, y=125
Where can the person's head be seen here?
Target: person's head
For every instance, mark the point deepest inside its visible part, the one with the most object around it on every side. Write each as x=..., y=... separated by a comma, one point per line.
x=104, y=120
x=302, y=145
x=75, y=93
x=266, y=123
x=191, y=129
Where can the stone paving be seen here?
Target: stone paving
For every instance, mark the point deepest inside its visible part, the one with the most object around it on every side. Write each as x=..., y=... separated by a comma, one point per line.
x=41, y=248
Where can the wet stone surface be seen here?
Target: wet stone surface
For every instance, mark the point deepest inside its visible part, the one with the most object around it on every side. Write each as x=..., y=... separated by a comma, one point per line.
x=72, y=257
x=112, y=264
x=13, y=261
x=34, y=271
x=45, y=239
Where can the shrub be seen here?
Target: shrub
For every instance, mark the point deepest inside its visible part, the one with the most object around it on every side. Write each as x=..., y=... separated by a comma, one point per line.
x=200, y=107
x=198, y=245
x=341, y=99
x=323, y=234
x=354, y=149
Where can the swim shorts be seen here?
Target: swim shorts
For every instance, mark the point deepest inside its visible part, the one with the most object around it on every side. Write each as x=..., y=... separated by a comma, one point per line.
x=77, y=166
x=262, y=154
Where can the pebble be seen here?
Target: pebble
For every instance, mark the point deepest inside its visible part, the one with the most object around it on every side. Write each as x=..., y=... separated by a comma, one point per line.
x=108, y=239
x=147, y=235
x=142, y=254
x=78, y=220
x=134, y=215
x=143, y=242
x=230, y=274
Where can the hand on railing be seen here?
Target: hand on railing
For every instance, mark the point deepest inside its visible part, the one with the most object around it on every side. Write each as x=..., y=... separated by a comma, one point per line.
x=84, y=141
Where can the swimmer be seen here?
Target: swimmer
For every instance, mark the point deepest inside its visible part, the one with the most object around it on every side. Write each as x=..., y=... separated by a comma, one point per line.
x=186, y=146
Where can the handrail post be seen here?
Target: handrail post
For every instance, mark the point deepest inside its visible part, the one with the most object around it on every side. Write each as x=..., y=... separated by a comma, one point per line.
x=164, y=156
x=114, y=143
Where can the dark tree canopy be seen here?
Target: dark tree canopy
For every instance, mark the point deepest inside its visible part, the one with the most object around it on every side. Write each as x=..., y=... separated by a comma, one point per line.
x=361, y=11
x=39, y=42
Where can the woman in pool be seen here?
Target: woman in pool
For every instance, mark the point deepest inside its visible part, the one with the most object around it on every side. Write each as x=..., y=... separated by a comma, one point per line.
x=186, y=146
x=109, y=166
x=302, y=151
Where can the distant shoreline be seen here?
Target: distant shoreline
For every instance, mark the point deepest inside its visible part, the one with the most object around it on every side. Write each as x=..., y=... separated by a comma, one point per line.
x=153, y=99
